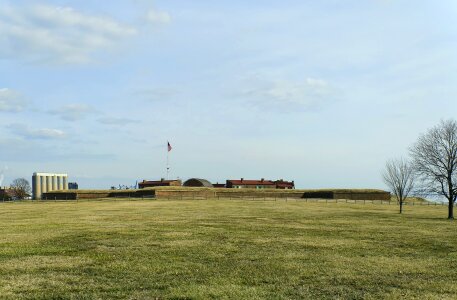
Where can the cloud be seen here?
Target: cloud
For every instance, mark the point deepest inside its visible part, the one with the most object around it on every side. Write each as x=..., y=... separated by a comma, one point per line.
x=56, y=34
x=309, y=94
x=38, y=133
x=116, y=121
x=158, y=17
x=11, y=101
x=32, y=151
x=73, y=112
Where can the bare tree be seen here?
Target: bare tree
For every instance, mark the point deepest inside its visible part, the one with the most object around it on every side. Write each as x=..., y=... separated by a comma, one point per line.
x=435, y=160
x=21, y=188
x=399, y=177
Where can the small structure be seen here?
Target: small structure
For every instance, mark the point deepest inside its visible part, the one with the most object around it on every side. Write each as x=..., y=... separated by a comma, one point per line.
x=73, y=186
x=6, y=193
x=219, y=185
x=284, y=185
x=197, y=182
x=161, y=182
x=250, y=184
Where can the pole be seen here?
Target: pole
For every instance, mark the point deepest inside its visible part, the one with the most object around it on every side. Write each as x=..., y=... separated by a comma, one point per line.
x=168, y=162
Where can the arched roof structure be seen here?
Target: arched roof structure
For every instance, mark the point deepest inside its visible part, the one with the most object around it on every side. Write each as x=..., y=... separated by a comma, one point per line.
x=197, y=182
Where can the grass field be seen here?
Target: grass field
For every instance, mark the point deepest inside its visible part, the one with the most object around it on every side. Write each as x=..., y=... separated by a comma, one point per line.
x=225, y=249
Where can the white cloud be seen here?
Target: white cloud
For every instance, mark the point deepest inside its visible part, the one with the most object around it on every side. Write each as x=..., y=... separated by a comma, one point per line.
x=11, y=101
x=73, y=112
x=308, y=94
x=36, y=133
x=30, y=151
x=158, y=17
x=56, y=34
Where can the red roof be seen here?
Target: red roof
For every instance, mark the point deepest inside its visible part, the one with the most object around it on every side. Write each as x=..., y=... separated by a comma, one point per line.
x=250, y=182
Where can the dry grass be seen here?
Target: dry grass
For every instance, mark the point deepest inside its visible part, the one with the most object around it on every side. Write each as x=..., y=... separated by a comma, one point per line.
x=225, y=249
x=199, y=189
x=178, y=188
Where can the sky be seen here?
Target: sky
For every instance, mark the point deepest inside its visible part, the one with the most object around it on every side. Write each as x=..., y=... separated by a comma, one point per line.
x=319, y=92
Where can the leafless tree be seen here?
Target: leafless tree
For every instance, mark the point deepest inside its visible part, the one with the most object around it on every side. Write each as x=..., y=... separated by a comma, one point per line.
x=21, y=188
x=399, y=177
x=435, y=160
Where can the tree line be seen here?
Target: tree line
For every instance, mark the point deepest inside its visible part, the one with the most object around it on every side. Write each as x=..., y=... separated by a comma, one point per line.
x=431, y=168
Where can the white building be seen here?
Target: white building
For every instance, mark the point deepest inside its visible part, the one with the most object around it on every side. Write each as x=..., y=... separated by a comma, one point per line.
x=48, y=182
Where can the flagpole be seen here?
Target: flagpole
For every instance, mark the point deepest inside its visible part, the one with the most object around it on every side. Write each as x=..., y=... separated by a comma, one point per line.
x=168, y=161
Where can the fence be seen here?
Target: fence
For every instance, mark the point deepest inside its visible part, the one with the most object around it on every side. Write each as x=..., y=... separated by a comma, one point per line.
x=314, y=200
x=55, y=199
x=230, y=198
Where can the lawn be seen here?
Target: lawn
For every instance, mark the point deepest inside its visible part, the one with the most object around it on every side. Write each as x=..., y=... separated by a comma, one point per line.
x=225, y=249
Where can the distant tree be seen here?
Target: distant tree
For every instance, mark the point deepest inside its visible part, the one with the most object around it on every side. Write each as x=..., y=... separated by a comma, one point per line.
x=400, y=178
x=435, y=161
x=21, y=188
x=5, y=196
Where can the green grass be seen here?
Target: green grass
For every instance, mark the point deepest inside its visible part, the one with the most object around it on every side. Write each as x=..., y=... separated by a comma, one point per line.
x=225, y=249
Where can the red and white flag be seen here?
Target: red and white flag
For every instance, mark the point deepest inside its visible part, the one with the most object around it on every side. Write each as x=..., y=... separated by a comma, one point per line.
x=169, y=147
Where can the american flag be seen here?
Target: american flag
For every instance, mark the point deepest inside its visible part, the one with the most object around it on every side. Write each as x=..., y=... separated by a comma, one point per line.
x=169, y=147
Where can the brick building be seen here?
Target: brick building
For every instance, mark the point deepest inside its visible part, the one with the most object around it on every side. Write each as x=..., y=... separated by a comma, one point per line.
x=6, y=193
x=219, y=185
x=250, y=184
x=260, y=184
x=285, y=185
x=161, y=182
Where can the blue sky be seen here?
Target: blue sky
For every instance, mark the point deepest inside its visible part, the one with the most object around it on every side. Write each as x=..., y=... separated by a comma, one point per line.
x=320, y=92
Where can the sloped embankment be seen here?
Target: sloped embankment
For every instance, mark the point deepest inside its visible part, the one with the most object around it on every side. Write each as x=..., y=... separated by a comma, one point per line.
x=207, y=193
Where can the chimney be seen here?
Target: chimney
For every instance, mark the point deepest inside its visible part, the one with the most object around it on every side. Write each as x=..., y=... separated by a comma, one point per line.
x=262, y=179
x=242, y=179
x=162, y=179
